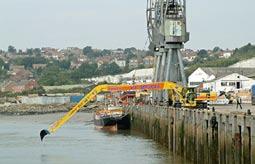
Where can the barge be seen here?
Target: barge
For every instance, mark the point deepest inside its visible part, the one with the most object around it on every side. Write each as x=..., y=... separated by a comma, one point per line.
x=112, y=119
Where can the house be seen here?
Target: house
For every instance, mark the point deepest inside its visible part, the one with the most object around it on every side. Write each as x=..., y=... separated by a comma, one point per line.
x=82, y=58
x=148, y=61
x=37, y=66
x=120, y=62
x=21, y=74
x=20, y=86
x=133, y=63
x=226, y=54
x=53, y=53
x=100, y=63
x=105, y=59
x=17, y=67
x=222, y=78
x=75, y=64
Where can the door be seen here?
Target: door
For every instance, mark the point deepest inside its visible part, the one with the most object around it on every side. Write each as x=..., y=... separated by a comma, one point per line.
x=238, y=85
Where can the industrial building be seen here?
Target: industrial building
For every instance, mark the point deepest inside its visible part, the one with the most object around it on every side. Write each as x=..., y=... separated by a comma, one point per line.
x=222, y=78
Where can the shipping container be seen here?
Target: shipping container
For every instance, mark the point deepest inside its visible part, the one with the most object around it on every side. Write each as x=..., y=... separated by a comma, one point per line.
x=76, y=98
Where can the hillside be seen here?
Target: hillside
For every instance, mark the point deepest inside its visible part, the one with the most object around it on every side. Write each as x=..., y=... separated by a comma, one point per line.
x=240, y=54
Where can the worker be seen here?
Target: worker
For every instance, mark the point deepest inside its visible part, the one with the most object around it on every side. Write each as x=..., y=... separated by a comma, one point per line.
x=239, y=102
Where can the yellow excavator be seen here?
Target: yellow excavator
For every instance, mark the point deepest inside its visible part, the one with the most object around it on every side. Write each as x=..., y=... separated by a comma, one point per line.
x=178, y=97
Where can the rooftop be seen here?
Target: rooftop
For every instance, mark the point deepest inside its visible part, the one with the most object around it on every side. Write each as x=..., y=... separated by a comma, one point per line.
x=224, y=71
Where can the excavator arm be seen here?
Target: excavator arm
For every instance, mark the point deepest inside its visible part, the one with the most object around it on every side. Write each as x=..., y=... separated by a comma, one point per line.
x=108, y=88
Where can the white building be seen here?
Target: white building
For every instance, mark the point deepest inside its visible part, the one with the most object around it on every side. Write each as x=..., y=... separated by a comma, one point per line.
x=121, y=63
x=232, y=82
x=199, y=76
x=222, y=78
x=137, y=76
x=226, y=54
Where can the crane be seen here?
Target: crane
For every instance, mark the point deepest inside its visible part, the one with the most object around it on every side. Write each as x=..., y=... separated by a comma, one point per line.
x=177, y=93
x=167, y=31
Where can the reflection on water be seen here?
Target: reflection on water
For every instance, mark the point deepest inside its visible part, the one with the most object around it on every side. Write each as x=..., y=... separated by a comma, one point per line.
x=76, y=142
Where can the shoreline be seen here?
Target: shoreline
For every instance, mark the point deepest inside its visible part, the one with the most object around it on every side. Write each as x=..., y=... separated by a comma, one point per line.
x=23, y=109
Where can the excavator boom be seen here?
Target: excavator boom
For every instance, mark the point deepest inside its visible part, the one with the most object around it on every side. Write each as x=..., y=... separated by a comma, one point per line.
x=110, y=88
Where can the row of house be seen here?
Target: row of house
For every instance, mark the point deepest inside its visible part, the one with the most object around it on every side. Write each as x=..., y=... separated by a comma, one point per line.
x=189, y=55
x=20, y=86
x=20, y=80
x=147, y=62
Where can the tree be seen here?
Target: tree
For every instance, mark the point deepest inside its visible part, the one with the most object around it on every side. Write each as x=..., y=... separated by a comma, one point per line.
x=3, y=72
x=216, y=49
x=30, y=51
x=53, y=75
x=87, y=50
x=1, y=63
x=29, y=61
x=131, y=50
x=105, y=52
x=37, y=51
x=86, y=70
x=11, y=49
x=202, y=54
x=65, y=64
x=109, y=69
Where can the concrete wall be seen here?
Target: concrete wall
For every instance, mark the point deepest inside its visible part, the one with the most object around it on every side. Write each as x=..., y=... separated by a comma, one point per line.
x=45, y=100
x=189, y=133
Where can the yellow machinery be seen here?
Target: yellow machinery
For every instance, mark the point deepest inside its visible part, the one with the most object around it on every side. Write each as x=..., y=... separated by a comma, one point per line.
x=178, y=96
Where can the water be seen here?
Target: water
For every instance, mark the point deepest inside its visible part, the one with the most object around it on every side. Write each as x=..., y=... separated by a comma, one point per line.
x=76, y=142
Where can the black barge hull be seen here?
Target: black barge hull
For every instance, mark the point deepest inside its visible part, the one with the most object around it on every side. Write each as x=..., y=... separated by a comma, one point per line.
x=113, y=123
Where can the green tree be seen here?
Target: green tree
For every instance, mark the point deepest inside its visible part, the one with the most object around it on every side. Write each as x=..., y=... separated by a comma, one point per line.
x=202, y=54
x=53, y=75
x=3, y=72
x=131, y=50
x=106, y=52
x=87, y=50
x=11, y=49
x=29, y=61
x=90, y=53
x=30, y=51
x=86, y=70
x=216, y=49
x=65, y=64
x=37, y=51
x=109, y=69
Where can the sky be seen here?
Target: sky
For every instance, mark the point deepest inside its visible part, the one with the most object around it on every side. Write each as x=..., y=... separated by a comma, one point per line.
x=119, y=23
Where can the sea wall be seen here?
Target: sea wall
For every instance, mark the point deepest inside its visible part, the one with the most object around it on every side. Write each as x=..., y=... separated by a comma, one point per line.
x=44, y=100
x=200, y=136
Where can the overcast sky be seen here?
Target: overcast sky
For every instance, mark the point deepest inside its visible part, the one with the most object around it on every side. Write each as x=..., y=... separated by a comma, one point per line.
x=119, y=23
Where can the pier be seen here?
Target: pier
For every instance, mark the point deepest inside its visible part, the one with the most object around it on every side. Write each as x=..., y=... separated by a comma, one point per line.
x=200, y=136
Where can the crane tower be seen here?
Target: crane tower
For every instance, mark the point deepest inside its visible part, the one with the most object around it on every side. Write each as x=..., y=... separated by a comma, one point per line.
x=167, y=30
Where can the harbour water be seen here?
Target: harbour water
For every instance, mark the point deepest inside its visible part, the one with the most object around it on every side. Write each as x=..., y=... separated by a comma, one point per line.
x=76, y=142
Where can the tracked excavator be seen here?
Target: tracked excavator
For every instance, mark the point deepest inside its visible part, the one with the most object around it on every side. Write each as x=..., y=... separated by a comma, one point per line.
x=178, y=97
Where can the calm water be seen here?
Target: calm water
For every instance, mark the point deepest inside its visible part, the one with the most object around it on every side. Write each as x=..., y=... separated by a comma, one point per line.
x=76, y=142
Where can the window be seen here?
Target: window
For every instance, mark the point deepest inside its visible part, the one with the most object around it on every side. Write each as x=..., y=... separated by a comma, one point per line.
x=194, y=83
x=232, y=84
x=224, y=83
